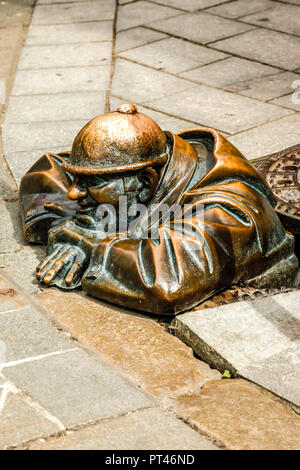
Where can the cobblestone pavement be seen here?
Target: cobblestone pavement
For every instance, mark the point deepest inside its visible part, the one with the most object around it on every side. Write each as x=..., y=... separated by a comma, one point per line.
x=79, y=373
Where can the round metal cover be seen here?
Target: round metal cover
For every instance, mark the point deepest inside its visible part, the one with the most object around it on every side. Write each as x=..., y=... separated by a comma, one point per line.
x=282, y=172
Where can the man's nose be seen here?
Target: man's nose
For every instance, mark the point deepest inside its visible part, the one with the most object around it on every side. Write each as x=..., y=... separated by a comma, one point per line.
x=75, y=192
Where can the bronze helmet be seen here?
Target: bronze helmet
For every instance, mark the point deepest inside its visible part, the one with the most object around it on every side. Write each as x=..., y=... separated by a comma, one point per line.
x=123, y=140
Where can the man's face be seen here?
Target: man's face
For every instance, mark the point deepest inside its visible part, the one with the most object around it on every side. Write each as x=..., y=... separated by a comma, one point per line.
x=93, y=190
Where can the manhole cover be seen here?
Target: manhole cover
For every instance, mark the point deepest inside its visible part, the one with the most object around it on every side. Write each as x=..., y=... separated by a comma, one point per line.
x=282, y=172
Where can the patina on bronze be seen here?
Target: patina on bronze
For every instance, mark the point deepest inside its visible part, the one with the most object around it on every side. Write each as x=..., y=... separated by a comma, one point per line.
x=238, y=238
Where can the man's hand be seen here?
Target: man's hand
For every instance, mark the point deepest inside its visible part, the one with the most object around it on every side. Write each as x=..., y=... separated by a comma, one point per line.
x=62, y=267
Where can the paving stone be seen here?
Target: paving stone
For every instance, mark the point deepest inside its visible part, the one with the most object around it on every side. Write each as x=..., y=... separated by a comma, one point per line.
x=173, y=55
x=45, y=2
x=26, y=333
x=139, y=13
x=21, y=266
x=73, y=12
x=10, y=43
x=266, y=88
x=269, y=138
x=61, y=80
x=279, y=373
x=241, y=416
x=76, y=387
x=136, y=37
x=157, y=361
x=140, y=84
x=200, y=27
x=20, y=162
x=190, y=5
x=9, y=240
x=166, y=122
x=10, y=297
x=285, y=18
x=143, y=430
x=241, y=8
x=79, y=106
x=20, y=422
x=18, y=137
x=69, y=33
x=291, y=101
x=262, y=45
x=216, y=108
x=228, y=71
x=15, y=13
x=238, y=335
x=65, y=55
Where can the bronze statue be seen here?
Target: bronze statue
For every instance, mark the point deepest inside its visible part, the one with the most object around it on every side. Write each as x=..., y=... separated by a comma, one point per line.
x=221, y=229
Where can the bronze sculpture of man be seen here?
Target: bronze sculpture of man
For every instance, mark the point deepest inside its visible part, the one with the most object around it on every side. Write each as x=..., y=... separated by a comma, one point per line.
x=224, y=229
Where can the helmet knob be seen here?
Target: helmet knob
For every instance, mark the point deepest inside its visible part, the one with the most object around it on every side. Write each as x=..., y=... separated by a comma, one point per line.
x=127, y=108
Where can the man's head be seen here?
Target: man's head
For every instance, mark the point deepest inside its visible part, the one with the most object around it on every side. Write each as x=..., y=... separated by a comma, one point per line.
x=116, y=154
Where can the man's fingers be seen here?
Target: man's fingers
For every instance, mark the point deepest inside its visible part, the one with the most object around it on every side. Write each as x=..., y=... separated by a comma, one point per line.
x=48, y=258
x=49, y=263
x=56, y=208
x=72, y=273
x=58, y=266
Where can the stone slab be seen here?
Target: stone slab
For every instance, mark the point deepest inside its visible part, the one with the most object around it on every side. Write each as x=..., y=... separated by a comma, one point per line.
x=262, y=45
x=9, y=240
x=20, y=422
x=247, y=336
x=136, y=37
x=200, y=27
x=216, y=108
x=230, y=70
x=76, y=387
x=128, y=78
x=267, y=88
x=142, y=430
x=10, y=297
x=19, y=137
x=65, y=55
x=190, y=5
x=69, y=106
x=69, y=33
x=142, y=12
x=241, y=416
x=60, y=80
x=26, y=333
x=73, y=12
x=173, y=55
x=285, y=18
x=290, y=101
x=269, y=138
x=240, y=8
x=137, y=345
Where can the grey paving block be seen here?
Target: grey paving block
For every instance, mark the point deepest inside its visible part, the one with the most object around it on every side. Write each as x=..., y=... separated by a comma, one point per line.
x=18, y=137
x=216, y=108
x=78, y=106
x=229, y=71
x=140, y=83
x=285, y=18
x=173, y=55
x=10, y=299
x=243, y=333
x=166, y=122
x=241, y=8
x=20, y=422
x=143, y=430
x=201, y=27
x=21, y=266
x=269, y=138
x=290, y=101
x=76, y=387
x=26, y=333
x=280, y=373
x=61, y=80
x=136, y=37
x=9, y=242
x=190, y=5
x=69, y=33
x=266, y=88
x=262, y=45
x=138, y=13
x=20, y=162
x=65, y=55
x=73, y=12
